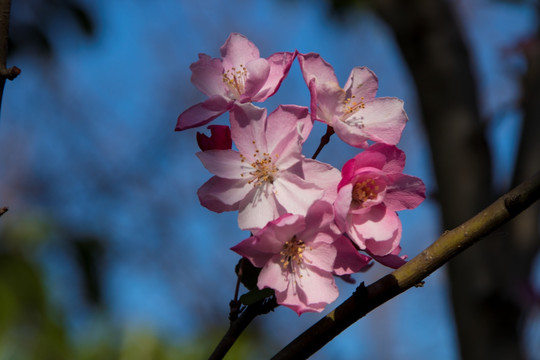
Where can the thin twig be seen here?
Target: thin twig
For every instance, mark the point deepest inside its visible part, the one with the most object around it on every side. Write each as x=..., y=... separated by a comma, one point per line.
x=325, y=139
x=414, y=272
x=239, y=325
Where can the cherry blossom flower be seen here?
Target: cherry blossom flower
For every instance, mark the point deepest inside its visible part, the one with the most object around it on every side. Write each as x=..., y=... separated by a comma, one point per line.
x=353, y=111
x=220, y=138
x=297, y=255
x=373, y=187
x=239, y=77
x=268, y=176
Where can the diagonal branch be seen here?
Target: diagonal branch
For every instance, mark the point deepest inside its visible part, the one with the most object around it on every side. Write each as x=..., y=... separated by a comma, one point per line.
x=412, y=273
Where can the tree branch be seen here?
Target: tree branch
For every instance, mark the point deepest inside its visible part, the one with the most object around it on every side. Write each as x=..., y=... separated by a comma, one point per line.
x=412, y=273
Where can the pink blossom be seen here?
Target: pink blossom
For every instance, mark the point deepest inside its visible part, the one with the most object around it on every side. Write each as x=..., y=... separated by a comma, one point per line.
x=240, y=76
x=268, y=176
x=297, y=255
x=353, y=111
x=220, y=138
x=373, y=187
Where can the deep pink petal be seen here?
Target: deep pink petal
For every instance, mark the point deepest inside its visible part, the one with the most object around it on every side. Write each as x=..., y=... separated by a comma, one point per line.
x=320, y=225
x=207, y=75
x=257, y=75
x=404, y=192
x=238, y=50
x=280, y=64
x=379, y=231
x=219, y=194
x=348, y=259
x=395, y=158
x=202, y=113
x=392, y=260
x=223, y=163
x=250, y=249
x=362, y=83
x=295, y=299
x=220, y=138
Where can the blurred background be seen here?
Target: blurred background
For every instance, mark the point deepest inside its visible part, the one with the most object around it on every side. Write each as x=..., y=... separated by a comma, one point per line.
x=106, y=252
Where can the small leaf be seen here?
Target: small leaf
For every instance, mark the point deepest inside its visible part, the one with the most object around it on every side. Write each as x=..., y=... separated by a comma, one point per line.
x=248, y=273
x=255, y=295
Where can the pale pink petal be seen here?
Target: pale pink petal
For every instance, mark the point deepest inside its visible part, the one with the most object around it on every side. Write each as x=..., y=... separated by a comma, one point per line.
x=257, y=75
x=202, y=113
x=348, y=259
x=320, y=225
x=248, y=128
x=219, y=194
x=342, y=206
x=223, y=163
x=351, y=134
x=324, y=175
x=404, y=192
x=381, y=120
x=285, y=126
x=207, y=76
x=280, y=64
x=295, y=299
x=362, y=83
x=238, y=50
x=318, y=286
x=329, y=102
x=258, y=208
x=294, y=194
x=314, y=67
x=273, y=276
x=320, y=255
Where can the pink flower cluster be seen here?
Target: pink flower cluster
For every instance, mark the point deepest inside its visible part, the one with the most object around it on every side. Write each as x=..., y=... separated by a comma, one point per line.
x=308, y=220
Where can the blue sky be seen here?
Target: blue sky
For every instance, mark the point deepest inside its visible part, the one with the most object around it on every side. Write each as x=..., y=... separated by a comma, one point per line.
x=101, y=122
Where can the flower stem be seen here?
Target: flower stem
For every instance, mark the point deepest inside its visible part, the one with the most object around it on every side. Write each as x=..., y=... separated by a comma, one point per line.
x=325, y=139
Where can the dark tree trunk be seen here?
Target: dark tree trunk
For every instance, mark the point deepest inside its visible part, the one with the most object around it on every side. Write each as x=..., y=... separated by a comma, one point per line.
x=485, y=304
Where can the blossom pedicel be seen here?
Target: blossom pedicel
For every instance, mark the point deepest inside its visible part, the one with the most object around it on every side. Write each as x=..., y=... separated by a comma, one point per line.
x=308, y=220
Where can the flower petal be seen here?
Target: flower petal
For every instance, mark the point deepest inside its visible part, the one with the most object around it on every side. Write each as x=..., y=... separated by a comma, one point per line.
x=257, y=75
x=248, y=129
x=381, y=120
x=280, y=64
x=348, y=259
x=362, y=83
x=207, y=75
x=219, y=194
x=294, y=194
x=314, y=67
x=258, y=208
x=238, y=50
x=202, y=113
x=223, y=163
x=404, y=192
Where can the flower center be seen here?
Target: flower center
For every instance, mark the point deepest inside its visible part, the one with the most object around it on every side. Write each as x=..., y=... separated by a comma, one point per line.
x=351, y=106
x=364, y=191
x=261, y=171
x=292, y=252
x=235, y=79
